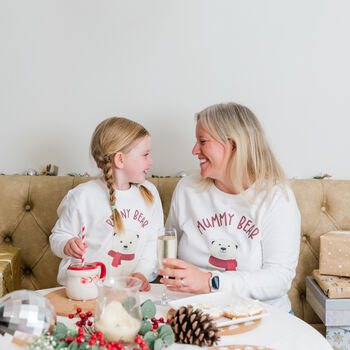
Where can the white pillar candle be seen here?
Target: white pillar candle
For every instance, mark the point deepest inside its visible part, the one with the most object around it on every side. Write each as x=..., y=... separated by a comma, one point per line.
x=116, y=324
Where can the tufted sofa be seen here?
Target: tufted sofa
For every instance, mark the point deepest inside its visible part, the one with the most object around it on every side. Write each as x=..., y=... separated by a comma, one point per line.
x=28, y=212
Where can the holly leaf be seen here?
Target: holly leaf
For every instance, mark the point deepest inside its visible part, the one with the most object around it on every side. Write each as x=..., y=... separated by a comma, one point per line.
x=148, y=309
x=158, y=344
x=145, y=327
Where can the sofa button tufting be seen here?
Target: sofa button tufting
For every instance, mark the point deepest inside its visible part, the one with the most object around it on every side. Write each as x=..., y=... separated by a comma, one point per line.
x=8, y=239
x=27, y=271
x=28, y=207
x=323, y=208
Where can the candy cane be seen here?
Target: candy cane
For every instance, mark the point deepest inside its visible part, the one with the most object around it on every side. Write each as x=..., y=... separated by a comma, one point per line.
x=83, y=239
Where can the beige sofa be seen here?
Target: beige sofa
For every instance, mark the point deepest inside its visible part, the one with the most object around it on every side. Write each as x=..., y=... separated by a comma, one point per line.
x=28, y=212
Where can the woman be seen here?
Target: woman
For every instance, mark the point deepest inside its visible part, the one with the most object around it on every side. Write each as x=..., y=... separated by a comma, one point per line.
x=238, y=223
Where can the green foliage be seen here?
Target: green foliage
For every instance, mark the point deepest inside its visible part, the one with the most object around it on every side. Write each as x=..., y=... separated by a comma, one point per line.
x=145, y=327
x=150, y=338
x=158, y=344
x=148, y=309
x=59, y=331
x=129, y=303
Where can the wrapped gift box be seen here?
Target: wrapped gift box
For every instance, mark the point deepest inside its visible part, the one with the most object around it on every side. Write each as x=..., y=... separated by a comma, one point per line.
x=10, y=270
x=334, y=313
x=333, y=286
x=338, y=337
x=335, y=253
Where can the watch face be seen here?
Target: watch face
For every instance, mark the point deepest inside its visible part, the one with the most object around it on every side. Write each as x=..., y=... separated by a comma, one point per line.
x=215, y=282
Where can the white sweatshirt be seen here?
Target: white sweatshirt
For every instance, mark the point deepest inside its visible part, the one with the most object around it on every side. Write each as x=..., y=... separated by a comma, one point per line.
x=124, y=253
x=255, y=246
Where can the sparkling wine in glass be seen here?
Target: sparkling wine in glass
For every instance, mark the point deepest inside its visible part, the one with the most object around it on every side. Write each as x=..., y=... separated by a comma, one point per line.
x=166, y=248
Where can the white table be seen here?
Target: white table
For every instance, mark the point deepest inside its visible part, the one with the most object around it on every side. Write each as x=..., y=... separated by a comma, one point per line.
x=278, y=330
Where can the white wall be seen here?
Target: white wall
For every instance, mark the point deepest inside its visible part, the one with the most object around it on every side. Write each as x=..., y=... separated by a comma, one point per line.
x=65, y=65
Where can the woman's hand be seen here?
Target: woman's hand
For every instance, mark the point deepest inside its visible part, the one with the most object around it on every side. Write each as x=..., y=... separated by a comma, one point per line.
x=188, y=278
x=75, y=248
x=145, y=286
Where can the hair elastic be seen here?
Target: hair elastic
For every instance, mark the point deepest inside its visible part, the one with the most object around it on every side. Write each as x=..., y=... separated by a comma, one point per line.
x=138, y=185
x=113, y=207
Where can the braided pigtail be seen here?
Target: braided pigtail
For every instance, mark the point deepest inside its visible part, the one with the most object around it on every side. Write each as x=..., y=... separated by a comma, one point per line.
x=146, y=194
x=117, y=218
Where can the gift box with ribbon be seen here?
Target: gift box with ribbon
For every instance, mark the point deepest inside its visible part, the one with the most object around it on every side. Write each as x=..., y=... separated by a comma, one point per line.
x=335, y=253
x=10, y=270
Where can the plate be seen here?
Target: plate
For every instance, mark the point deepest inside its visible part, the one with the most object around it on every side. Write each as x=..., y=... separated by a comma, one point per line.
x=220, y=299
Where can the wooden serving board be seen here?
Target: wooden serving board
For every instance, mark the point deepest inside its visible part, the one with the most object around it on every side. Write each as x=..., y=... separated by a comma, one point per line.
x=239, y=327
x=232, y=329
x=65, y=306
x=241, y=347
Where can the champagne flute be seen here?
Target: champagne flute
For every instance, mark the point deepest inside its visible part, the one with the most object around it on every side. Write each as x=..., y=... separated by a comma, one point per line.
x=166, y=248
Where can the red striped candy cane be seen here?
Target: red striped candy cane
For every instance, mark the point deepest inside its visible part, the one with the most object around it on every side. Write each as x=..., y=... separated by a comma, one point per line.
x=83, y=239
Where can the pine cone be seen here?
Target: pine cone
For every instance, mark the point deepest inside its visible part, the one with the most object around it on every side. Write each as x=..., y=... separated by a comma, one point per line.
x=193, y=327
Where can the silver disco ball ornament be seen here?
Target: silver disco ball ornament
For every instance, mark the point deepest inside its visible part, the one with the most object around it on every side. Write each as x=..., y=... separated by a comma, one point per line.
x=26, y=311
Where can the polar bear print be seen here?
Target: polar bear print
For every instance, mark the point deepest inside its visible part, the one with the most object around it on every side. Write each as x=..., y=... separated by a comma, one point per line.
x=223, y=254
x=123, y=247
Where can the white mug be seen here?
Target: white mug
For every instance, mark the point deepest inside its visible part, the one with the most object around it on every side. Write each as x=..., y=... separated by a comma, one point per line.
x=81, y=280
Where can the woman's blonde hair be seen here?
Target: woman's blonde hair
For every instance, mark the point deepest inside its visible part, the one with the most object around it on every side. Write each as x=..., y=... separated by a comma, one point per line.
x=253, y=159
x=111, y=136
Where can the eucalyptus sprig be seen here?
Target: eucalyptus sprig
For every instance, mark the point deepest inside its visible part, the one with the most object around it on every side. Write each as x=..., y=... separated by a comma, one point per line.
x=155, y=336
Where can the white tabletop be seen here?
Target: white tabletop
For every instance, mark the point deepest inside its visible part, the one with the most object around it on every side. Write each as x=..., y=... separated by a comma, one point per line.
x=278, y=330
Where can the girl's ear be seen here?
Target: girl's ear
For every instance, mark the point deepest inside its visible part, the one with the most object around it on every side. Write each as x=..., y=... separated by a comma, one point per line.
x=118, y=160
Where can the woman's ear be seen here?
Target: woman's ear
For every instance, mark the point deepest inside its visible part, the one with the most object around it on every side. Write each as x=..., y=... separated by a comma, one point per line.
x=118, y=160
x=233, y=144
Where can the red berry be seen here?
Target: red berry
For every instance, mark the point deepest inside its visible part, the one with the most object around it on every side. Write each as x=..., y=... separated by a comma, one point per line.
x=153, y=319
x=83, y=323
x=161, y=320
x=143, y=342
x=70, y=339
x=89, y=323
x=80, y=331
x=70, y=315
x=155, y=326
x=78, y=323
x=99, y=334
x=102, y=343
x=168, y=321
x=81, y=339
x=82, y=316
x=118, y=346
x=109, y=346
x=111, y=342
x=143, y=347
x=92, y=341
x=138, y=340
x=93, y=336
x=78, y=310
x=89, y=314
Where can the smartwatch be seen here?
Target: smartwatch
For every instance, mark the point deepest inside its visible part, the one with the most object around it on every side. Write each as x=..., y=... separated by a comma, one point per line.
x=214, y=282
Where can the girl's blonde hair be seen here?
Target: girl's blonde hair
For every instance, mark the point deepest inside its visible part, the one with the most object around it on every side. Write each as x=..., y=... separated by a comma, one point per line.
x=253, y=160
x=111, y=136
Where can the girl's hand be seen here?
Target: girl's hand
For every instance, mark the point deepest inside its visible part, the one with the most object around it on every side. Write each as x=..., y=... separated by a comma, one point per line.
x=75, y=248
x=145, y=286
x=188, y=278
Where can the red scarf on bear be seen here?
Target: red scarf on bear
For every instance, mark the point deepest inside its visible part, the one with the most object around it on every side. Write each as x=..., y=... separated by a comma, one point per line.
x=118, y=257
x=228, y=265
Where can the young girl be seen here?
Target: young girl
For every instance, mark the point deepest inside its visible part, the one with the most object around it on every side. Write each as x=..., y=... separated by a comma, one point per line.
x=121, y=212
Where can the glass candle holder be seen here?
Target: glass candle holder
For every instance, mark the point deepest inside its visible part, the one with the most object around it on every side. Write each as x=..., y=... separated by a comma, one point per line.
x=118, y=313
